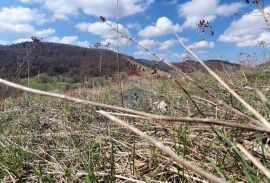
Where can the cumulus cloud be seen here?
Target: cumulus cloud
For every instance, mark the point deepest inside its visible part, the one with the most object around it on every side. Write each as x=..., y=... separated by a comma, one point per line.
x=113, y=42
x=3, y=42
x=167, y=44
x=143, y=54
x=16, y=28
x=135, y=26
x=45, y=32
x=202, y=44
x=180, y=56
x=73, y=40
x=161, y=45
x=171, y=43
x=195, y=10
x=101, y=29
x=247, y=31
x=148, y=43
x=162, y=27
x=19, y=20
x=63, y=9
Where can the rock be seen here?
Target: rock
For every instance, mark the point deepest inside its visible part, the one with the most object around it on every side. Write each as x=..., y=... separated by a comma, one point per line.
x=162, y=106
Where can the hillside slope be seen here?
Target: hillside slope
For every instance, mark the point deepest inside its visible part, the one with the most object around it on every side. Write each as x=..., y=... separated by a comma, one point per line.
x=77, y=62
x=59, y=59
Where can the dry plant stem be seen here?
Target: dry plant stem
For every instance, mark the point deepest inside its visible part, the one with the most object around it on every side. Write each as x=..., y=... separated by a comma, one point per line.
x=221, y=104
x=165, y=149
x=127, y=115
x=117, y=55
x=131, y=111
x=190, y=98
x=239, y=98
x=254, y=121
x=255, y=161
x=11, y=177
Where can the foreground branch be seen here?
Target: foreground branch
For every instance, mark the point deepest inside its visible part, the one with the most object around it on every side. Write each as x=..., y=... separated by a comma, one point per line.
x=255, y=161
x=165, y=149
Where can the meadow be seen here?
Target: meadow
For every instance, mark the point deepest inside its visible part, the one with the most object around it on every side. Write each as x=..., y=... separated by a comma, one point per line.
x=44, y=139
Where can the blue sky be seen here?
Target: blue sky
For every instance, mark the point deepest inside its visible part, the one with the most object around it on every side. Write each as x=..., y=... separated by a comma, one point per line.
x=152, y=23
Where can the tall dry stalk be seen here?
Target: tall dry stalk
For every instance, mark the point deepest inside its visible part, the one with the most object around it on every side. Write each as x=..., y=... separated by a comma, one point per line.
x=238, y=97
x=117, y=54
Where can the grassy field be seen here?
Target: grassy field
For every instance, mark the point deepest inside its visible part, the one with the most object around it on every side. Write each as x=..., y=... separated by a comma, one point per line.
x=50, y=140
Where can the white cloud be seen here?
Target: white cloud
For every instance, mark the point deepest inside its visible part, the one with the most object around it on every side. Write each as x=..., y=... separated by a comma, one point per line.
x=196, y=10
x=143, y=54
x=113, y=42
x=16, y=28
x=148, y=43
x=20, y=40
x=135, y=26
x=101, y=29
x=167, y=44
x=247, y=31
x=171, y=43
x=45, y=32
x=229, y=9
x=162, y=27
x=17, y=15
x=63, y=9
x=202, y=44
x=19, y=20
x=180, y=56
x=73, y=40
x=3, y=42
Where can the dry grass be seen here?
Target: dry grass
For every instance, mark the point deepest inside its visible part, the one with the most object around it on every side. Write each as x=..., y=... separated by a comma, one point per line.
x=49, y=139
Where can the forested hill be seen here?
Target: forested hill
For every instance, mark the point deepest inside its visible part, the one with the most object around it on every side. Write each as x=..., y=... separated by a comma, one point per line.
x=60, y=59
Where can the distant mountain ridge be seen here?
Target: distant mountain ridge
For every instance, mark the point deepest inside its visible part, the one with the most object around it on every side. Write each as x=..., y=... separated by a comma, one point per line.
x=193, y=66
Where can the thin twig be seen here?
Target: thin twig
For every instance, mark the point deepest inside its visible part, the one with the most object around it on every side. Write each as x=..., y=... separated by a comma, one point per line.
x=117, y=54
